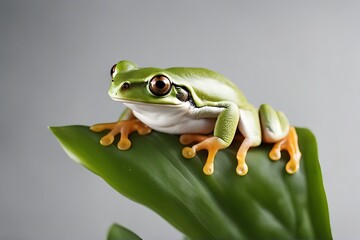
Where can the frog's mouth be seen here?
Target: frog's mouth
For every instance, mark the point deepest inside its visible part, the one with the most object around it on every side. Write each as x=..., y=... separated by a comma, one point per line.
x=136, y=102
x=150, y=112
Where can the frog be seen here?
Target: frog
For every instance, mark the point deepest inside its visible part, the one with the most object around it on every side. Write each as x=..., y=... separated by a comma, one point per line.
x=203, y=107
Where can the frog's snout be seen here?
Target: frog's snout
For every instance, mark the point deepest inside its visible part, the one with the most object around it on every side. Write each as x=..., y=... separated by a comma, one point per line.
x=125, y=86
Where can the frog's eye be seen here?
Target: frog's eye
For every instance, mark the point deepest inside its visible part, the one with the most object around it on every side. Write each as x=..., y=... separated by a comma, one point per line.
x=160, y=85
x=112, y=71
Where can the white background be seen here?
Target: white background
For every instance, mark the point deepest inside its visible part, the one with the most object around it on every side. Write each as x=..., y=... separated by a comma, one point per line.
x=302, y=57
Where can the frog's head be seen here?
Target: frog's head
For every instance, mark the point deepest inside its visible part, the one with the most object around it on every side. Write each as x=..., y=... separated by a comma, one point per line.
x=145, y=85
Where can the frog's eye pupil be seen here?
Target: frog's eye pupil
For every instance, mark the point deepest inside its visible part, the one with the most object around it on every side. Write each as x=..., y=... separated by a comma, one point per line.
x=112, y=71
x=160, y=85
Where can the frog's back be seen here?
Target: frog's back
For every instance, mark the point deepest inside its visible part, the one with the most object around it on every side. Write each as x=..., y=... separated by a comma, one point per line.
x=207, y=85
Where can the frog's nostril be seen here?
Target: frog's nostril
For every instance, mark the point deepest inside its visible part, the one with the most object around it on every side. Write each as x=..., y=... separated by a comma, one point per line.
x=125, y=86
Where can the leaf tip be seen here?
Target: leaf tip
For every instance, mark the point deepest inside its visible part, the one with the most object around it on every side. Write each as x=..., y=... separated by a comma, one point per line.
x=53, y=129
x=117, y=232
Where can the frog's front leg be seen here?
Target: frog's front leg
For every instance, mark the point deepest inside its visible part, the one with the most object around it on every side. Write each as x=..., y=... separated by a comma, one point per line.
x=126, y=124
x=276, y=129
x=211, y=144
x=224, y=131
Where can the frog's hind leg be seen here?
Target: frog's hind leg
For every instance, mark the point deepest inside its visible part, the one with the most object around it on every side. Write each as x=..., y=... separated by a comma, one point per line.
x=249, y=127
x=289, y=143
x=276, y=129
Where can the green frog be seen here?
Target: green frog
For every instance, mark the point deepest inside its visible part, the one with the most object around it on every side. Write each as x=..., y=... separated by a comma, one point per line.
x=205, y=108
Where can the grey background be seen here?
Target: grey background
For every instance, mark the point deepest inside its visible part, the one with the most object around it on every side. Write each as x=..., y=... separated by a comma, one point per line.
x=301, y=57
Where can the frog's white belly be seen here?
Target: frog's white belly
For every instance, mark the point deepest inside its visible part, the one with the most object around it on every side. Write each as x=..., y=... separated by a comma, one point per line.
x=175, y=119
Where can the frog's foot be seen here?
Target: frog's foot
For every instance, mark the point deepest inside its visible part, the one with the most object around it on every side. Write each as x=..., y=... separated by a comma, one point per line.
x=290, y=144
x=124, y=128
x=242, y=167
x=211, y=143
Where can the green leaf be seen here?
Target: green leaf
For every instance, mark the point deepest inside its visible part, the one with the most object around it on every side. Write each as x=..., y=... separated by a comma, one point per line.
x=267, y=203
x=118, y=232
